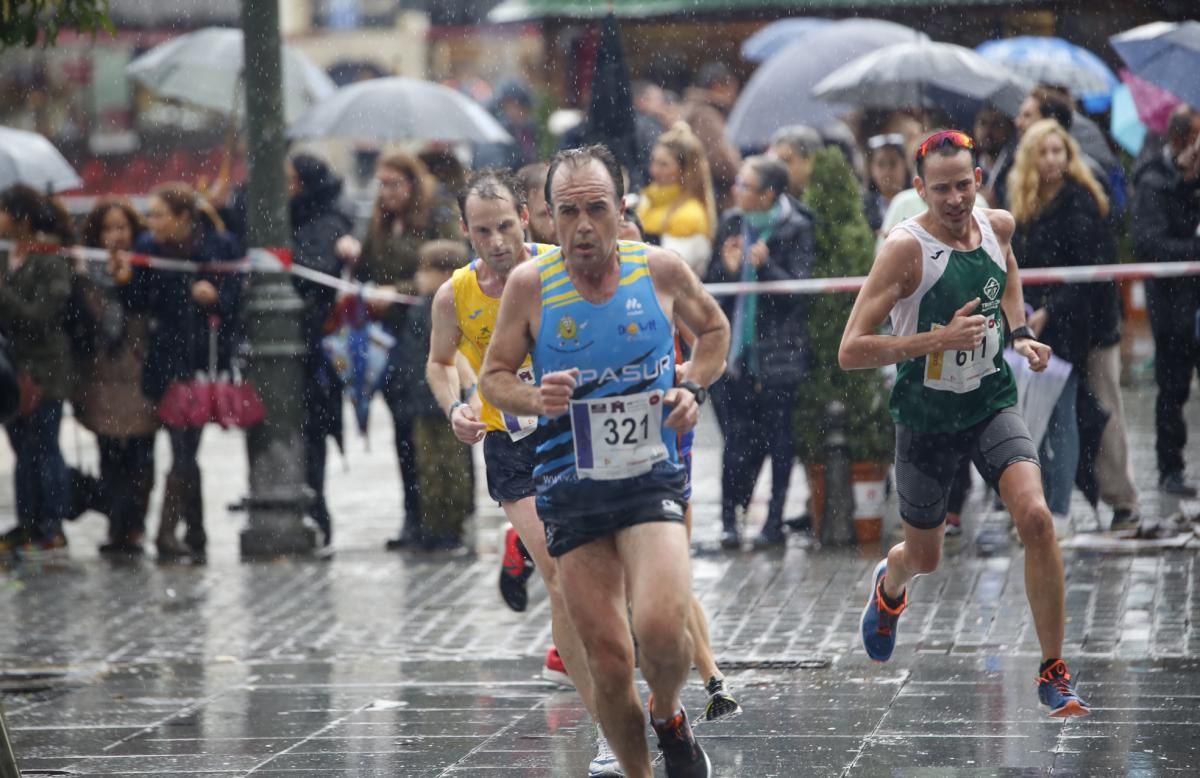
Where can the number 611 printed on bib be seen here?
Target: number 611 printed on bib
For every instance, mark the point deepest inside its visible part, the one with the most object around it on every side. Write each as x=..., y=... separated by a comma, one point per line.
x=618, y=437
x=962, y=371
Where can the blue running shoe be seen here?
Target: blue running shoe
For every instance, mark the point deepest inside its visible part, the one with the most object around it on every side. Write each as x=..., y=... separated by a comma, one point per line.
x=1056, y=690
x=879, y=619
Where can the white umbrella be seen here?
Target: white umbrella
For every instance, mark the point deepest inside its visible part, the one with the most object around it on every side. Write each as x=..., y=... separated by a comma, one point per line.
x=398, y=109
x=28, y=158
x=926, y=74
x=204, y=68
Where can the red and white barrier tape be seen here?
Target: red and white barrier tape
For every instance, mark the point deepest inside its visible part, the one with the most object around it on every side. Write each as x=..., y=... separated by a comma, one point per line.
x=280, y=260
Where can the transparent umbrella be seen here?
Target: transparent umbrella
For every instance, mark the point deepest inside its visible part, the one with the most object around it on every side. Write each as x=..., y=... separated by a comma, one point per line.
x=928, y=74
x=204, y=68
x=779, y=92
x=397, y=109
x=28, y=158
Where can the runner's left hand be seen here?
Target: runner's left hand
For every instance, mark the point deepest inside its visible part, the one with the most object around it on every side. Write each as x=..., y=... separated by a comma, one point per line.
x=1038, y=354
x=684, y=410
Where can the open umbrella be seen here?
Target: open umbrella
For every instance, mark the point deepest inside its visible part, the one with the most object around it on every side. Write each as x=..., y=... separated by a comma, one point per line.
x=777, y=36
x=1153, y=103
x=204, y=68
x=1166, y=54
x=778, y=94
x=397, y=109
x=1047, y=60
x=28, y=158
x=927, y=74
x=1126, y=128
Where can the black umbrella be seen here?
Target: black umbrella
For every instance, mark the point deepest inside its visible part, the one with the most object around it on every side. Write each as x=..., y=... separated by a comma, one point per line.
x=611, y=119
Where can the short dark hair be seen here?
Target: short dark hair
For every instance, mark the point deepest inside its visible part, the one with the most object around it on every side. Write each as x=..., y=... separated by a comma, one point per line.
x=581, y=157
x=772, y=173
x=1179, y=125
x=1054, y=103
x=713, y=73
x=493, y=184
x=945, y=143
x=41, y=213
x=533, y=177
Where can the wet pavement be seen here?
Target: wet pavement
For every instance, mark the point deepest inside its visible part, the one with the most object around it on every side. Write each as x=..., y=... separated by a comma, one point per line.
x=408, y=664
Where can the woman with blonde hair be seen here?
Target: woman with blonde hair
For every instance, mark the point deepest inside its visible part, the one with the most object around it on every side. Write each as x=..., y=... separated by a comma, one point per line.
x=678, y=208
x=1061, y=212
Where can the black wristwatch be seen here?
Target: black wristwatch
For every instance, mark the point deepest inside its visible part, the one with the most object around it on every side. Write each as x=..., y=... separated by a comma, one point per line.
x=1022, y=332
x=696, y=389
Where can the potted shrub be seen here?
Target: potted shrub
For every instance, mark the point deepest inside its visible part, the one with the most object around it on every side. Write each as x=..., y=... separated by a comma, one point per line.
x=845, y=247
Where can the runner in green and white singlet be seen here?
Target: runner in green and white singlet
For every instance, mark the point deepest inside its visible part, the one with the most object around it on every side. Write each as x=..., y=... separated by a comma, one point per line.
x=949, y=282
x=951, y=390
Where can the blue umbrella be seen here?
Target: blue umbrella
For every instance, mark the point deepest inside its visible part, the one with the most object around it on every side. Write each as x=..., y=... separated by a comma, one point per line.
x=776, y=37
x=360, y=351
x=1056, y=61
x=1127, y=129
x=1167, y=54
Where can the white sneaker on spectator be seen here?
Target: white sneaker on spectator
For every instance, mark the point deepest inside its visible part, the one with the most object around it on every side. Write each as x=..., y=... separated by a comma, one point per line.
x=1062, y=526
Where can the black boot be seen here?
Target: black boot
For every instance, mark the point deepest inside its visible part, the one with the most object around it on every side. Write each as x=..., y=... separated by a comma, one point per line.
x=729, y=529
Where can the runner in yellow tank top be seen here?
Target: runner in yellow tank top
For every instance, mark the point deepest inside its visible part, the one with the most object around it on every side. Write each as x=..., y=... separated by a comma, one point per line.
x=476, y=315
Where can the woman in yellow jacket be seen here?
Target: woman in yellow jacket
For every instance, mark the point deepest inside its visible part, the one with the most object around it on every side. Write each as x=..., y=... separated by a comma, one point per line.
x=677, y=209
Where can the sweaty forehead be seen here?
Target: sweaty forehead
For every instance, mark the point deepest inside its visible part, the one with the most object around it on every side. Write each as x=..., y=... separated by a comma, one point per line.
x=585, y=182
x=489, y=208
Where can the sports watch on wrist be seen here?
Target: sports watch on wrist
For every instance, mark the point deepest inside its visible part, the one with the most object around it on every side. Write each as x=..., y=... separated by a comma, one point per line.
x=1022, y=332
x=696, y=389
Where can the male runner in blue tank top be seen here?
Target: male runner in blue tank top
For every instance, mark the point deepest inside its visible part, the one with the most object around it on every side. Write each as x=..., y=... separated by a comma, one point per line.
x=948, y=280
x=596, y=316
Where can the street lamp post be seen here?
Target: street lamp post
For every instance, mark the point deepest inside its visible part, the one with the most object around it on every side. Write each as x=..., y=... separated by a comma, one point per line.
x=278, y=496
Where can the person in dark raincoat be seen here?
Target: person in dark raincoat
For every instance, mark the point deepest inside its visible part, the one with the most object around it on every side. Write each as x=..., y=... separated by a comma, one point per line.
x=317, y=224
x=182, y=225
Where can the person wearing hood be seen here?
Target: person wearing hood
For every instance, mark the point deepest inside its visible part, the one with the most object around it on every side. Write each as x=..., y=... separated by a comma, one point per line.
x=1166, y=228
x=768, y=237
x=317, y=223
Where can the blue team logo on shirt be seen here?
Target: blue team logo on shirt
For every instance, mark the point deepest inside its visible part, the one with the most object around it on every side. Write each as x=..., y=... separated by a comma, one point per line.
x=638, y=330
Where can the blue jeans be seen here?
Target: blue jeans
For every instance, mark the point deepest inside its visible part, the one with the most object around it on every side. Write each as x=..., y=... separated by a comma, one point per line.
x=1059, y=450
x=43, y=485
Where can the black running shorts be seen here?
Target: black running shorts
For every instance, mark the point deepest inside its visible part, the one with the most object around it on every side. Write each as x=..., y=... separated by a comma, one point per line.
x=926, y=462
x=563, y=535
x=509, y=466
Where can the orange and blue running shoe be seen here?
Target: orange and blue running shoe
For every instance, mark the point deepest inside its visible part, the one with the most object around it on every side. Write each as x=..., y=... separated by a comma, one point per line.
x=1056, y=690
x=879, y=619
x=516, y=569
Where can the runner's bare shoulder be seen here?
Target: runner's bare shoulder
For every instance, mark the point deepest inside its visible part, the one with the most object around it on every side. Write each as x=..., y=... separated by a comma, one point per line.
x=1003, y=223
x=899, y=260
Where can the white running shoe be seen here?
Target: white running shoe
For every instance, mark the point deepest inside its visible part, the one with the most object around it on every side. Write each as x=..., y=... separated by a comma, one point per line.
x=605, y=764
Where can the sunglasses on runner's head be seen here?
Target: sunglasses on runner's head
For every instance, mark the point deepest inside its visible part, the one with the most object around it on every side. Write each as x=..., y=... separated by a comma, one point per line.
x=956, y=138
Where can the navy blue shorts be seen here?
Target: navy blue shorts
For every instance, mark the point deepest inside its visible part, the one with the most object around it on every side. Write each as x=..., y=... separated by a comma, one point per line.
x=509, y=466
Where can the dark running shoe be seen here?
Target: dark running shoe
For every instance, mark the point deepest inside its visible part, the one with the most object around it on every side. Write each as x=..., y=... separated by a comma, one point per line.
x=721, y=704
x=683, y=756
x=516, y=569
x=1173, y=483
x=1056, y=690
x=879, y=619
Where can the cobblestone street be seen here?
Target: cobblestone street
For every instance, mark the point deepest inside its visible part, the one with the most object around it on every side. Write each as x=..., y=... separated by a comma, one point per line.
x=378, y=663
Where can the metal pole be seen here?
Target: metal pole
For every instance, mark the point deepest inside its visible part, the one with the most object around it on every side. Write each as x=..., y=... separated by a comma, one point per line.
x=838, y=526
x=8, y=759
x=278, y=494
